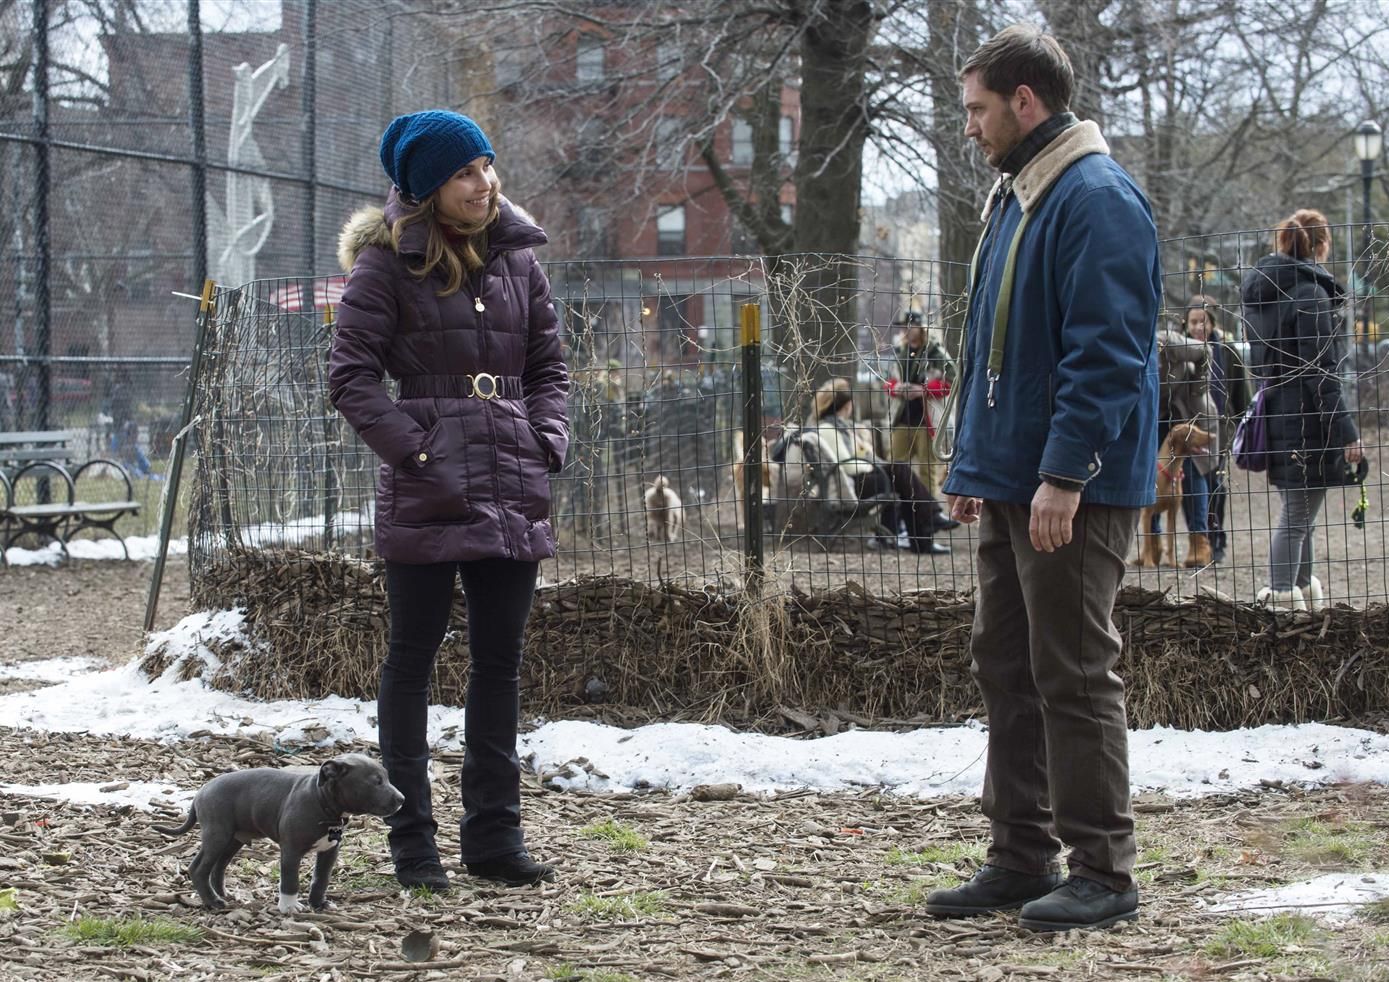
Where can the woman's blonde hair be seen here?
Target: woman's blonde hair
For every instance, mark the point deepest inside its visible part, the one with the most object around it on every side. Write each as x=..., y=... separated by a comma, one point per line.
x=459, y=255
x=832, y=396
x=1302, y=234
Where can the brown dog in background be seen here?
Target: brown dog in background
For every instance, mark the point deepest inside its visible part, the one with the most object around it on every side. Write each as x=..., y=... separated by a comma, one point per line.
x=665, y=512
x=739, y=467
x=1182, y=440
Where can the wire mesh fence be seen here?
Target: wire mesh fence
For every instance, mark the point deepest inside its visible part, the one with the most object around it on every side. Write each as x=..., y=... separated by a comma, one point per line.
x=144, y=147
x=658, y=393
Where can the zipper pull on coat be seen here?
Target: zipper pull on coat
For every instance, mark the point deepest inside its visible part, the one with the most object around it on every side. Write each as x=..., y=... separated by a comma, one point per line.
x=477, y=305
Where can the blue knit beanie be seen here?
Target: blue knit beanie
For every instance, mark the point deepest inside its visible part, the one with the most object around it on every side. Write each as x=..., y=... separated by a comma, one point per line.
x=420, y=151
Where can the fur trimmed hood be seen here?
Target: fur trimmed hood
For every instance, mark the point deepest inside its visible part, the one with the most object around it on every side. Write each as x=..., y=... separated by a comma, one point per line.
x=371, y=226
x=366, y=227
x=1041, y=171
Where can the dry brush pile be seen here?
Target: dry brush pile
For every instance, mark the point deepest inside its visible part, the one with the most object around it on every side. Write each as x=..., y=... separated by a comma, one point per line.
x=318, y=626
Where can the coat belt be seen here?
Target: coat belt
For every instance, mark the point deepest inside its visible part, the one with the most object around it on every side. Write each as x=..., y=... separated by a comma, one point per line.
x=481, y=385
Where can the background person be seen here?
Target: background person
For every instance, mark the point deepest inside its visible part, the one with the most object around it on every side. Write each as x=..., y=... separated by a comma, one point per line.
x=1228, y=388
x=1185, y=394
x=918, y=375
x=446, y=296
x=1054, y=456
x=848, y=446
x=1297, y=344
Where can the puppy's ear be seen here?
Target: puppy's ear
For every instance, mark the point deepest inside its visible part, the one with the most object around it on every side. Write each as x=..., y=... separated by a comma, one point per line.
x=330, y=771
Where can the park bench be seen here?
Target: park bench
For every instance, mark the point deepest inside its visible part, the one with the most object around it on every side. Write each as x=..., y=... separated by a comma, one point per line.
x=41, y=473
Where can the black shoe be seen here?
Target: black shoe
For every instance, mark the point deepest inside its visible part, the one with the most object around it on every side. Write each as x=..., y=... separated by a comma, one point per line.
x=425, y=871
x=941, y=522
x=992, y=889
x=516, y=870
x=1079, y=903
x=926, y=547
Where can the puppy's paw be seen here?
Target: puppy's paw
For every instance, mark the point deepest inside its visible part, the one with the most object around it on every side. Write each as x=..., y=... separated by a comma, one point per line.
x=289, y=904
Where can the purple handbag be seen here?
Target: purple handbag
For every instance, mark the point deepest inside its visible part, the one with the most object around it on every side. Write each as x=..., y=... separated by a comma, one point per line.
x=1251, y=437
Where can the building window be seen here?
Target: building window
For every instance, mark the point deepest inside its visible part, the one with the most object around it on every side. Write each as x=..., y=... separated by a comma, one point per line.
x=588, y=59
x=786, y=138
x=667, y=60
x=593, y=233
x=742, y=142
x=744, y=243
x=670, y=232
x=670, y=142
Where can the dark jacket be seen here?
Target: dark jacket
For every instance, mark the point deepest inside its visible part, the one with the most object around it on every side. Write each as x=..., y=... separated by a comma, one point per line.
x=1184, y=395
x=1296, y=349
x=461, y=477
x=1229, y=387
x=1077, y=397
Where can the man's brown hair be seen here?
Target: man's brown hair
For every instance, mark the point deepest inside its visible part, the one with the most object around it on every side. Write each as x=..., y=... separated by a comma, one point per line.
x=1022, y=54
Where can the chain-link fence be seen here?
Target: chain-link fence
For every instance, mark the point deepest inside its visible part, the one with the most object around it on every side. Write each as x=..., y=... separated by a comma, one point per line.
x=144, y=147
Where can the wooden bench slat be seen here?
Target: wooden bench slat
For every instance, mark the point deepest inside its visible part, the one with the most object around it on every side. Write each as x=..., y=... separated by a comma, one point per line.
x=41, y=436
x=76, y=508
x=38, y=453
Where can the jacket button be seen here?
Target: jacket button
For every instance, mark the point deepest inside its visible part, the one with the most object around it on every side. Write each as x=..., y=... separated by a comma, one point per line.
x=1089, y=467
x=423, y=457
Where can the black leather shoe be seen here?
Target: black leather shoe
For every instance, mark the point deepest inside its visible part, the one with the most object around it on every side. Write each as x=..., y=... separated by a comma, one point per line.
x=426, y=871
x=992, y=889
x=516, y=870
x=926, y=547
x=1079, y=903
x=940, y=522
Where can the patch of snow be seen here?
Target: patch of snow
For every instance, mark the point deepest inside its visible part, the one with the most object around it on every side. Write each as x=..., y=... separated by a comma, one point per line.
x=48, y=669
x=137, y=794
x=1333, y=897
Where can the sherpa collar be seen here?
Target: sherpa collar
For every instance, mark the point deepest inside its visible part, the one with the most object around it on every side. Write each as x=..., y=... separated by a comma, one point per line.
x=1041, y=171
x=1035, y=142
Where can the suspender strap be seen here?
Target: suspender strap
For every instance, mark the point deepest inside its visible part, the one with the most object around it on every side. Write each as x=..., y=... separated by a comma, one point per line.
x=999, y=337
x=1004, y=305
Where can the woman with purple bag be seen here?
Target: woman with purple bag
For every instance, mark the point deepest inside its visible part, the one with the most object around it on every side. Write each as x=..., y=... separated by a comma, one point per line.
x=1296, y=349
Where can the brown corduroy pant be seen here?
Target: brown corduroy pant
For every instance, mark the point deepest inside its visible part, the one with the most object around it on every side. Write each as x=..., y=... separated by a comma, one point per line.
x=1044, y=649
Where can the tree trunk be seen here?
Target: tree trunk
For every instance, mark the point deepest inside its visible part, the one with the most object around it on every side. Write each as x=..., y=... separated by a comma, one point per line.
x=959, y=169
x=828, y=176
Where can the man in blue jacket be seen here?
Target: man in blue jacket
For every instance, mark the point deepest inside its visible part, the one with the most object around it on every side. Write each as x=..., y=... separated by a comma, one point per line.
x=1055, y=453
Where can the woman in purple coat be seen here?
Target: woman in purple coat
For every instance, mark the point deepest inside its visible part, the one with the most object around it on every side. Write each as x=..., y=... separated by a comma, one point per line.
x=447, y=298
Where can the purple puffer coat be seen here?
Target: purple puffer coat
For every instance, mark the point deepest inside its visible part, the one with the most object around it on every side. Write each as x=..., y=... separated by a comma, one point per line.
x=461, y=477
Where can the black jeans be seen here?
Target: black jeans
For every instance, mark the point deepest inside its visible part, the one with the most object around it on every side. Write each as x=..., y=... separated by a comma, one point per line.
x=1215, y=520
x=499, y=593
x=914, y=505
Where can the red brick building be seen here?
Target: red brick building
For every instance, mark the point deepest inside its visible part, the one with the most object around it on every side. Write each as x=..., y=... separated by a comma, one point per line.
x=644, y=200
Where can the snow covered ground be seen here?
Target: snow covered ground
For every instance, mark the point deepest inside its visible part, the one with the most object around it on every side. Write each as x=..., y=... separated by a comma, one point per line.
x=927, y=762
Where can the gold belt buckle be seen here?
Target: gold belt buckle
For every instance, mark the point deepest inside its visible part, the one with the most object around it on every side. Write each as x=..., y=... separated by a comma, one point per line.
x=491, y=380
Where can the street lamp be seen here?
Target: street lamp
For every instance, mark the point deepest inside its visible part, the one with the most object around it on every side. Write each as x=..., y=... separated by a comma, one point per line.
x=1369, y=141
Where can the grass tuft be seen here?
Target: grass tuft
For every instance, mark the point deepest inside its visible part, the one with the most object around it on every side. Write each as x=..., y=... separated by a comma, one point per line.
x=1264, y=938
x=1376, y=911
x=1315, y=841
x=622, y=838
x=620, y=908
x=128, y=931
x=947, y=853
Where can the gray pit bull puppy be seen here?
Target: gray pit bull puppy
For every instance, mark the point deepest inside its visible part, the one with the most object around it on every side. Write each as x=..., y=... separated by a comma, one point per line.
x=301, y=808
